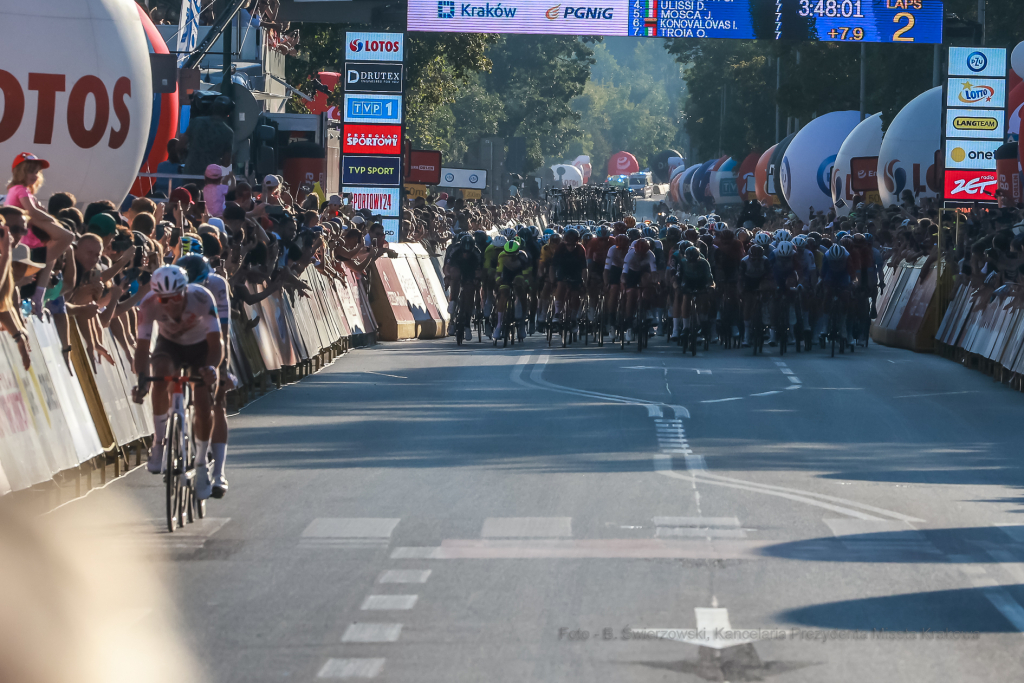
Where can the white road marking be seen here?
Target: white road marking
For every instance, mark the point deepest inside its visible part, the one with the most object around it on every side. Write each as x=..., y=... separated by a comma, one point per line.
x=389, y=602
x=372, y=632
x=151, y=535
x=723, y=400
x=682, y=532
x=711, y=622
x=527, y=527
x=697, y=467
x=1000, y=598
x=794, y=379
x=859, y=535
x=368, y=667
x=786, y=371
x=703, y=372
x=654, y=411
x=384, y=374
x=767, y=393
x=780, y=363
x=1012, y=529
x=696, y=521
x=404, y=576
x=941, y=393
x=414, y=553
x=351, y=527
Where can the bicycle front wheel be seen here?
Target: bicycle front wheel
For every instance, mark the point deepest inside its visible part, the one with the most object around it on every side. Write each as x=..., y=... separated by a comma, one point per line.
x=173, y=459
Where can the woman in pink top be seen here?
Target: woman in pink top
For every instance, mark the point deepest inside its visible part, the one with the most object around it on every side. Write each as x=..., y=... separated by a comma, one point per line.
x=44, y=230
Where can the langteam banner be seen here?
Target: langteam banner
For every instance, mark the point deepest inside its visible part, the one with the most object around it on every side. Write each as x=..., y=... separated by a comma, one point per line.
x=373, y=109
x=371, y=170
x=375, y=138
x=373, y=77
x=382, y=201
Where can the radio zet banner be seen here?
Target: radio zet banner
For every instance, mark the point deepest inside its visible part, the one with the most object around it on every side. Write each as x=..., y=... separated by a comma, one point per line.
x=975, y=92
x=424, y=167
x=371, y=138
x=367, y=170
x=376, y=47
x=976, y=124
x=373, y=77
x=373, y=109
x=381, y=201
x=971, y=186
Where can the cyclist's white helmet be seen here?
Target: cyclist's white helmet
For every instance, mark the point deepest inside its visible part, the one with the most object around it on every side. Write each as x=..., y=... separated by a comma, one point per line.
x=168, y=280
x=799, y=241
x=836, y=252
x=782, y=235
x=499, y=241
x=785, y=249
x=763, y=239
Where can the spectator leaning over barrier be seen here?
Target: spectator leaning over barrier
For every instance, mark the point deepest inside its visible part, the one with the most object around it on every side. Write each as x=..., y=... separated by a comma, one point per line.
x=10, y=320
x=47, y=237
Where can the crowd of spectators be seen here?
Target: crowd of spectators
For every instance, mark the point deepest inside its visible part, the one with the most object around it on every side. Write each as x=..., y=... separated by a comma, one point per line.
x=94, y=265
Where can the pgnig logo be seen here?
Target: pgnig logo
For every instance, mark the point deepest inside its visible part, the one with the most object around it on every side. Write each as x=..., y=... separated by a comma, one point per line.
x=445, y=9
x=555, y=13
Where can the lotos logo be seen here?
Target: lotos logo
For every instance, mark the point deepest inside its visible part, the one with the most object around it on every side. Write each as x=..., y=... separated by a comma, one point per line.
x=972, y=94
x=356, y=46
x=382, y=47
x=895, y=178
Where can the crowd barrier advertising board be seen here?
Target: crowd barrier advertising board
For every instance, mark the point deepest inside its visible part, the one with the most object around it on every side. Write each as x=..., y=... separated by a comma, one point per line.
x=987, y=323
x=906, y=307
x=54, y=417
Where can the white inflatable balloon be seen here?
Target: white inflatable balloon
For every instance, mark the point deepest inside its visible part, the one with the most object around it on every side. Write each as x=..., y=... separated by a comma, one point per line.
x=863, y=142
x=76, y=89
x=807, y=165
x=906, y=160
x=1017, y=60
x=723, y=184
x=567, y=175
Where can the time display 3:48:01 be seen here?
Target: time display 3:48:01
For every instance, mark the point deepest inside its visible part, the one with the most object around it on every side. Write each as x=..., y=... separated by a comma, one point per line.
x=846, y=9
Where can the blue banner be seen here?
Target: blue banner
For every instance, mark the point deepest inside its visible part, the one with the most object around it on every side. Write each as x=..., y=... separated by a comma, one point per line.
x=371, y=170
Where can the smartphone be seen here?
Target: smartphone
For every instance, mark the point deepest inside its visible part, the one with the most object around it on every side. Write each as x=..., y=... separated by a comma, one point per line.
x=175, y=236
x=201, y=207
x=374, y=242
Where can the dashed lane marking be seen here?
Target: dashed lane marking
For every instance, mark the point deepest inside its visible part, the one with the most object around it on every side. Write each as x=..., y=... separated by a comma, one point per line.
x=389, y=602
x=372, y=632
x=367, y=667
x=404, y=575
x=348, y=532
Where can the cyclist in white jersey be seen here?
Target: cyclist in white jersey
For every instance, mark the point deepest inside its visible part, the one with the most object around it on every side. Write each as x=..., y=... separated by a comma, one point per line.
x=200, y=273
x=189, y=337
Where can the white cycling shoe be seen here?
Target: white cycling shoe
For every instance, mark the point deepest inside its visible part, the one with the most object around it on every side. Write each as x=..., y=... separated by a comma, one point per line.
x=204, y=489
x=220, y=486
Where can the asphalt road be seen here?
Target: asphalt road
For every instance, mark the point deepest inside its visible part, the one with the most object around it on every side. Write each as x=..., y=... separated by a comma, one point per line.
x=419, y=512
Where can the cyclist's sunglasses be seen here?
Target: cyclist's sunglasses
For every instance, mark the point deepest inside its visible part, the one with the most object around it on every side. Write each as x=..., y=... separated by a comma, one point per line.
x=173, y=298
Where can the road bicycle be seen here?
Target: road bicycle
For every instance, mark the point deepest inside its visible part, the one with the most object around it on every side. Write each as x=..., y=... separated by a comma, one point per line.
x=183, y=506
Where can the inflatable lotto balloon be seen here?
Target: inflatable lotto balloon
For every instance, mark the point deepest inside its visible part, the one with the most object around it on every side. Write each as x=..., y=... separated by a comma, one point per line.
x=582, y=162
x=774, y=183
x=163, y=123
x=86, y=105
x=761, y=178
x=660, y=167
x=723, y=183
x=855, y=170
x=807, y=164
x=906, y=160
x=745, y=177
x=673, y=190
x=623, y=163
